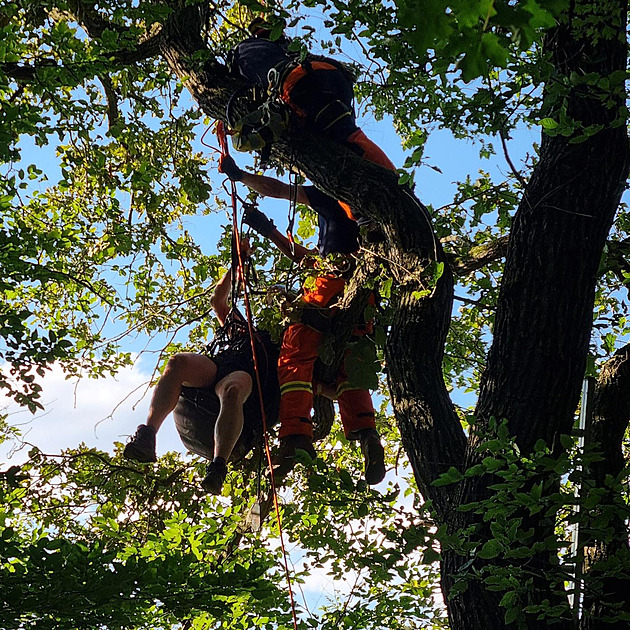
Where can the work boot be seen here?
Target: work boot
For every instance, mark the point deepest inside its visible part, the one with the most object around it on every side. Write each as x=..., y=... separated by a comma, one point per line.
x=285, y=459
x=373, y=455
x=216, y=471
x=141, y=447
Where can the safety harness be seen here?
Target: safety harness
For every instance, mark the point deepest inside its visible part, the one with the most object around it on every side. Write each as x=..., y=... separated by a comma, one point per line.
x=233, y=335
x=273, y=108
x=257, y=130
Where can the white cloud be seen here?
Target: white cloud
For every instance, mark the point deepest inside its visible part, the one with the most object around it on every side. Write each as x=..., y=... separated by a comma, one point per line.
x=97, y=412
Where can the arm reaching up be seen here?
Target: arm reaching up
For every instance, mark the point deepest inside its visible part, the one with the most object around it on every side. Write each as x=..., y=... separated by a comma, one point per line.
x=220, y=297
x=258, y=221
x=266, y=186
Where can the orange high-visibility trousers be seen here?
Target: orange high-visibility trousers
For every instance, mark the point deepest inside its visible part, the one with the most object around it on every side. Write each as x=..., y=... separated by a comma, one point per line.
x=310, y=91
x=295, y=374
x=370, y=151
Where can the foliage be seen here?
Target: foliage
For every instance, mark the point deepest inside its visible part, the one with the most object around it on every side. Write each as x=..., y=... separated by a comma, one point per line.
x=560, y=491
x=85, y=532
x=99, y=245
x=100, y=236
x=89, y=541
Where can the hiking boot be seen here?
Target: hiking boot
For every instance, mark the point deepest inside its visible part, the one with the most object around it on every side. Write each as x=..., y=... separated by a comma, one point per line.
x=285, y=459
x=141, y=447
x=215, y=476
x=373, y=455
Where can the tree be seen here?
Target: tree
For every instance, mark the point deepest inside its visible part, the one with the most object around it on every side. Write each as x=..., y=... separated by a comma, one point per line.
x=494, y=478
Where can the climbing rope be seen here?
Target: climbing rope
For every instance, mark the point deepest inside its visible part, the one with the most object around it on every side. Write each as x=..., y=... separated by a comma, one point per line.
x=248, y=315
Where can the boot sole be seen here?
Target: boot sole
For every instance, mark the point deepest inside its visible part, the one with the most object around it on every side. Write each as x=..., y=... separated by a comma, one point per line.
x=135, y=454
x=210, y=486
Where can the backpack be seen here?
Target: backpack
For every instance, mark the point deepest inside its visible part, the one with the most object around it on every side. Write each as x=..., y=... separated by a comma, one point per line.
x=270, y=120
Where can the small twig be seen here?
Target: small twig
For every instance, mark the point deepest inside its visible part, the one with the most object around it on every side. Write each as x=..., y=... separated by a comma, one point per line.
x=508, y=159
x=472, y=302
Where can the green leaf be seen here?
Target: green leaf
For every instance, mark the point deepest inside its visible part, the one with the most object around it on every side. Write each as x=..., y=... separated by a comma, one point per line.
x=361, y=364
x=548, y=123
x=494, y=50
x=452, y=475
x=491, y=549
x=430, y=556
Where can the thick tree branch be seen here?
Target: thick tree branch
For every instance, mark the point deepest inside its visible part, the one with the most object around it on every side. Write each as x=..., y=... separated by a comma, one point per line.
x=86, y=14
x=112, y=99
x=478, y=256
x=188, y=56
x=94, y=25
x=471, y=257
x=544, y=315
x=123, y=57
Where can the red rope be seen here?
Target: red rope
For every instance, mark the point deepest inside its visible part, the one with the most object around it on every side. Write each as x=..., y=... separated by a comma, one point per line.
x=248, y=314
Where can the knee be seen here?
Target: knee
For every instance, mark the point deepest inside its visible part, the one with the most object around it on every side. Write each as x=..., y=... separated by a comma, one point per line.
x=176, y=364
x=234, y=392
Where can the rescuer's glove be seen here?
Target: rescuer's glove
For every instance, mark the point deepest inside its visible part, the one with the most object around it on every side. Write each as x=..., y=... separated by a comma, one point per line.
x=228, y=166
x=258, y=221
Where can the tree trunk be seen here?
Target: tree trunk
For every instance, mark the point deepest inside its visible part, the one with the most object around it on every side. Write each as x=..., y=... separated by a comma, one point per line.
x=544, y=316
x=607, y=553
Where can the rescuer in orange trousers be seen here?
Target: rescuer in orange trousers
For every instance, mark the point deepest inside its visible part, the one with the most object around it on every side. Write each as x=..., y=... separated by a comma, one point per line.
x=338, y=233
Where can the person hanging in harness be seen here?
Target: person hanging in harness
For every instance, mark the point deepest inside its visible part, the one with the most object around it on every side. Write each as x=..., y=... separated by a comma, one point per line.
x=338, y=234
x=319, y=90
x=214, y=399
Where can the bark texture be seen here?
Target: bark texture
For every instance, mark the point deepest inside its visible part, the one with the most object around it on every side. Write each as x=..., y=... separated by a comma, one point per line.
x=605, y=543
x=544, y=315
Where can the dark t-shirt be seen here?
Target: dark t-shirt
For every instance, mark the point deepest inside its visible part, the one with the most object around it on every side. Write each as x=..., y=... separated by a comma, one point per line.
x=197, y=409
x=338, y=234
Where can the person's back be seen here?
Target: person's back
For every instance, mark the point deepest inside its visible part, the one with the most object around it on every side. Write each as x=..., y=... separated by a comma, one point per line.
x=338, y=230
x=255, y=56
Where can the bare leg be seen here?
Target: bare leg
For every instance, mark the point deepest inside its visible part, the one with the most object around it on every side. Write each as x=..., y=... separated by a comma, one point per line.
x=185, y=368
x=233, y=391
